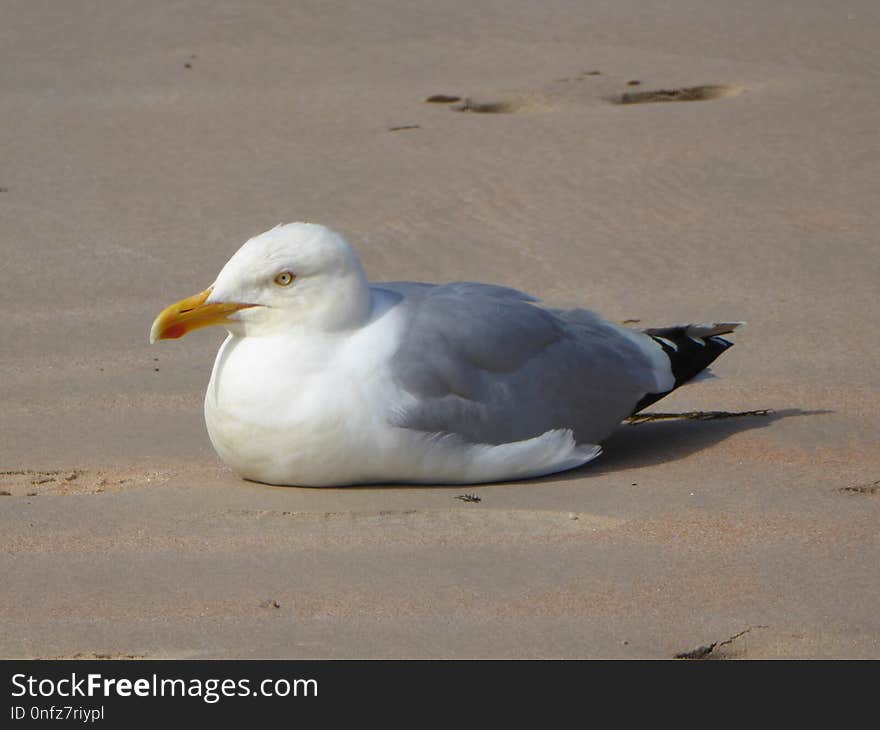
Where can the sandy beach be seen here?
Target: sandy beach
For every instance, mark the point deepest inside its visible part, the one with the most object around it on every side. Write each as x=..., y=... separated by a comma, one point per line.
x=703, y=161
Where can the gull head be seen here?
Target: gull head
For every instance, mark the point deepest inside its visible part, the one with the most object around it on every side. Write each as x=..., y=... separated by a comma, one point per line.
x=299, y=276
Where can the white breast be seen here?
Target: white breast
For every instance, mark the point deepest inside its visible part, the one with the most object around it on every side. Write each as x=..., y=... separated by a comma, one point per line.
x=304, y=409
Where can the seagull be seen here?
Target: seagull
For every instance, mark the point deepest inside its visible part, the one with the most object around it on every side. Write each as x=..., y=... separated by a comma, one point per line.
x=326, y=379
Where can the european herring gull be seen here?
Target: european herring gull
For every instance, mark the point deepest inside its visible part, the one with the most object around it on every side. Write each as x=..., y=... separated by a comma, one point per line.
x=326, y=379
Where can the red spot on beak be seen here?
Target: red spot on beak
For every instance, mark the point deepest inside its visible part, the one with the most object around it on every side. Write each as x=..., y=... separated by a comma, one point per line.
x=174, y=332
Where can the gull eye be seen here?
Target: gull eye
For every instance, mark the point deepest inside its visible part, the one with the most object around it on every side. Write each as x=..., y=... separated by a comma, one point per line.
x=285, y=278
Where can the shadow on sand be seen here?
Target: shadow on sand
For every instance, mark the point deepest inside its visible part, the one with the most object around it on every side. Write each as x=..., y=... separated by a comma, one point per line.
x=638, y=445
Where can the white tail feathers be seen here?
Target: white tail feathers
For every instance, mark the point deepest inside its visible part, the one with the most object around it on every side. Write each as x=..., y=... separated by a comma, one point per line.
x=711, y=329
x=706, y=374
x=701, y=329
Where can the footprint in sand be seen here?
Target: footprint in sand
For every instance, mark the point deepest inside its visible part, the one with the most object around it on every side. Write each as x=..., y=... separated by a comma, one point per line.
x=490, y=107
x=583, y=88
x=682, y=93
x=867, y=490
x=518, y=103
x=34, y=482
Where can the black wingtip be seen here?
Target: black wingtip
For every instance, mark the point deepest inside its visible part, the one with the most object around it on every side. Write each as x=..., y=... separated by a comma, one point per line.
x=688, y=354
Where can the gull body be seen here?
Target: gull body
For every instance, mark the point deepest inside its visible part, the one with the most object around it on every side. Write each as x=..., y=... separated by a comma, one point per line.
x=326, y=380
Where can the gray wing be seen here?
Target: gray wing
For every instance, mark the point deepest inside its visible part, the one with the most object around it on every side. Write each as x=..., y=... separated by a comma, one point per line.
x=487, y=363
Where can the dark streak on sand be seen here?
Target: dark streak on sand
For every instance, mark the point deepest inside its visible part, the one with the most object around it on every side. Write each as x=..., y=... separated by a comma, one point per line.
x=442, y=99
x=51, y=474
x=694, y=416
x=469, y=498
x=702, y=652
x=94, y=655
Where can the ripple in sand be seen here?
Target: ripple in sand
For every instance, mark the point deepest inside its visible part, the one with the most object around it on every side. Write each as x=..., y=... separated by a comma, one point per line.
x=34, y=482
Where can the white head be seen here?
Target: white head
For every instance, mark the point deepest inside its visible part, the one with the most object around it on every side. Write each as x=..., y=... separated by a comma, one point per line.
x=296, y=276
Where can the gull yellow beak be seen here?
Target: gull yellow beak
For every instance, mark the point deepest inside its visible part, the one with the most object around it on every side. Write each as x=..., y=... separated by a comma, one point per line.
x=192, y=314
